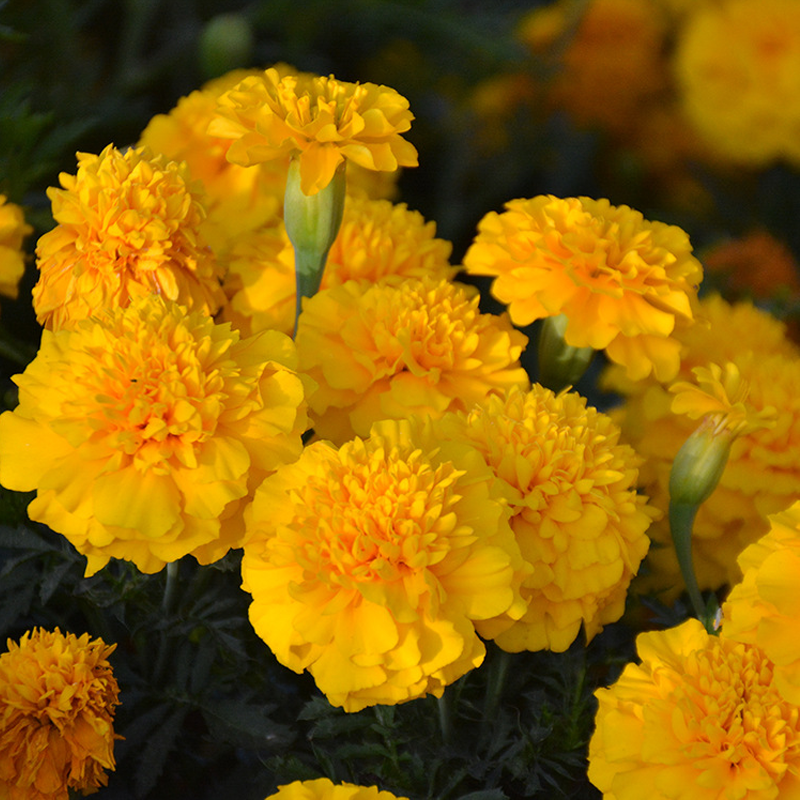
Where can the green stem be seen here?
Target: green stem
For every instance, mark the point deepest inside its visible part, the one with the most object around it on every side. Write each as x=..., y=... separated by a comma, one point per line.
x=444, y=707
x=170, y=588
x=681, y=522
x=495, y=683
x=309, y=268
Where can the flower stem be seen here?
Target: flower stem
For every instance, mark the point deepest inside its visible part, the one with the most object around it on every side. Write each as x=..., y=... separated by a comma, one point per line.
x=170, y=588
x=681, y=522
x=443, y=706
x=495, y=683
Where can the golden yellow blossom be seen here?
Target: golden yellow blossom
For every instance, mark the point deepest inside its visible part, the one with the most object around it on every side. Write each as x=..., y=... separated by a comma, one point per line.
x=128, y=226
x=144, y=429
x=321, y=121
x=763, y=608
x=325, y=789
x=377, y=239
x=13, y=230
x=762, y=475
x=738, y=70
x=624, y=284
x=57, y=701
x=402, y=347
x=579, y=522
x=606, y=56
x=701, y=717
x=369, y=564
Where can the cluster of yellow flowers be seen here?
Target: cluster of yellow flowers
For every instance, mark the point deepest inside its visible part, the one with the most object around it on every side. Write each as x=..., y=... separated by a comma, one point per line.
x=444, y=500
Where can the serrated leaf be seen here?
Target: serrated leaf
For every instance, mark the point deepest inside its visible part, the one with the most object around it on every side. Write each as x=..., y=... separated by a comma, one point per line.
x=486, y=794
x=244, y=725
x=156, y=751
x=52, y=580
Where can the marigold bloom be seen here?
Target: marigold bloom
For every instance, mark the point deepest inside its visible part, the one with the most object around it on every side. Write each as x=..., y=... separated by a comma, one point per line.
x=320, y=120
x=611, y=62
x=57, y=701
x=402, y=347
x=13, y=230
x=738, y=69
x=625, y=284
x=377, y=239
x=763, y=609
x=325, y=789
x=144, y=428
x=128, y=225
x=368, y=565
x=700, y=717
x=577, y=518
x=762, y=475
x=756, y=264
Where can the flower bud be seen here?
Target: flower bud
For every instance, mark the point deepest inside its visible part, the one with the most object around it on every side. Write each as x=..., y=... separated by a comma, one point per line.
x=312, y=224
x=560, y=364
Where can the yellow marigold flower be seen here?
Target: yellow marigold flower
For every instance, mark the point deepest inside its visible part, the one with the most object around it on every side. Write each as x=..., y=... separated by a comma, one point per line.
x=57, y=701
x=325, y=789
x=611, y=62
x=579, y=522
x=377, y=238
x=320, y=120
x=128, y=225
x=700, y=718
x=369, y=564
x=763, y=609
x=625, y=284
x=402, y=347
x=238, y=199
x=737, y=65
x=13, y=230
x=144, y=429
x=762, y=474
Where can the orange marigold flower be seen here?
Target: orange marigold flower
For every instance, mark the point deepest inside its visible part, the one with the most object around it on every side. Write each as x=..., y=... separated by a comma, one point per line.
x=320, y=120
x=377, y=238
x=144, y=429
x=625, y=284
x=57, y=701
x=325, y=789
x=369, y=564
x=737, y=65
x=763, y=609
x=700, y=717
x=402, y=347
x=579, y=522
x=756, y=264
x=606, y=63
x=13, y=230
x=762, y=474
x=128, y=225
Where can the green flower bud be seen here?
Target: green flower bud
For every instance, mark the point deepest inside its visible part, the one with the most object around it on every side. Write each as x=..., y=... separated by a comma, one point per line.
x=560, y=364
x=312, y=224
